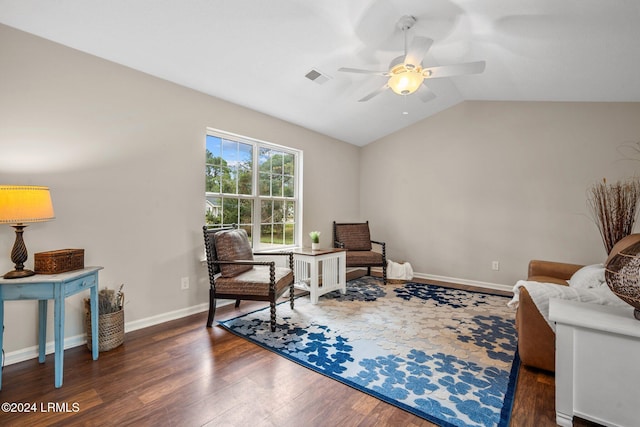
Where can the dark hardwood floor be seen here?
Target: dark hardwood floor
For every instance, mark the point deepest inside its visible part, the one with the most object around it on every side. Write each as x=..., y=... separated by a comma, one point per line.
x=181, y=373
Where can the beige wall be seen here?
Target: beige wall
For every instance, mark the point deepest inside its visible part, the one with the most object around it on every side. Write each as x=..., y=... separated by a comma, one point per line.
x=123, y=154
x=502, y=181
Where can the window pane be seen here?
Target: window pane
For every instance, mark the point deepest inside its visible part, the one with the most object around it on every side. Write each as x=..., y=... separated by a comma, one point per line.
x=213, y=211
x=245, y=168
x=278, y=211
x=287, y=187
x=212, y=176
x=265, y=234
x=289, y=212
x=245, y=211
x=264, y=160
x=214, y=146
x=276, y=185
x=278, y=234
x=289, y=234
x=265, y=184
x=230, y=151
x=266, y=212
x=228, y=181
x=276, y=163
x=289, y=164
x=244, y=181
x=247, y=228
x=230, y=211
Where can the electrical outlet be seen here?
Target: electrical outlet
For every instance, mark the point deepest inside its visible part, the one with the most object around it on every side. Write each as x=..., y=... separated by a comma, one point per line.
x=184, y=283
x=495, y=265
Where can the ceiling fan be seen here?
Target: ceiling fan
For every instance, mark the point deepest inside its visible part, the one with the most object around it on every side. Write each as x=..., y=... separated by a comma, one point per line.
x=406, y=73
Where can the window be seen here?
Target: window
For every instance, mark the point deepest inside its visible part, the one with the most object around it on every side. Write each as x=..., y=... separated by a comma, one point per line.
x=256, y=185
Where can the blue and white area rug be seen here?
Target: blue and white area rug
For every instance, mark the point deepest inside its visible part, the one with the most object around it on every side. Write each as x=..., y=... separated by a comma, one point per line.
x=445, y=355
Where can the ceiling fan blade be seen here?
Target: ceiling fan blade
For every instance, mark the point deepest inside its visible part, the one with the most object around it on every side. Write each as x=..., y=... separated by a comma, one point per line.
x=417, y=50
x=426, y=94
x=454, y=70
x=374, y=93
x=359, y=71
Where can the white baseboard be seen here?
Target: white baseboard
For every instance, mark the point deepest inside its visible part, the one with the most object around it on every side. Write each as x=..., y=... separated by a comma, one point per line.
x=476, y=283
x=69, y=342
x=487, y=285
x=166, y=317
x=32, y=352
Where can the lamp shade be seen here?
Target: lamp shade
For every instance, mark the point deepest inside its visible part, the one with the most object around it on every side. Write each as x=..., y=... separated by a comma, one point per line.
x=21, y=204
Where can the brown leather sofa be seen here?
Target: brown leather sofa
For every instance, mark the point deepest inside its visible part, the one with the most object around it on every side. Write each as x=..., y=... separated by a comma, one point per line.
x=536, y=340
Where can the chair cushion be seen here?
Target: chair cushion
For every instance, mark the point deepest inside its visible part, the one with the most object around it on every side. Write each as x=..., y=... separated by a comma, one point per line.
x=233, y=245
x=255, y=282
x=364, y=258
x=355, y=237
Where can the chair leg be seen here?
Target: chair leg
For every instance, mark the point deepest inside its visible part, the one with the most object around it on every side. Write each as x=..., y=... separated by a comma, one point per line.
x=273, y=316
x=368, y=271
x=237, y=303
x=384, y=273
x=212, y=307
x=291, y=292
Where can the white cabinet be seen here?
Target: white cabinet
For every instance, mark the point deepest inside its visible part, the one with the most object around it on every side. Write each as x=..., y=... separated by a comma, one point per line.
x=597, y=363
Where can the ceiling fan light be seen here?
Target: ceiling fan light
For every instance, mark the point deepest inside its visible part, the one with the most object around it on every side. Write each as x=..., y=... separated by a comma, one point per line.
x=405, y=83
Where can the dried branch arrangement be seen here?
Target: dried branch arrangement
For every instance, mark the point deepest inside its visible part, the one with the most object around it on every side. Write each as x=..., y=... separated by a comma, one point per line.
x=614, y=209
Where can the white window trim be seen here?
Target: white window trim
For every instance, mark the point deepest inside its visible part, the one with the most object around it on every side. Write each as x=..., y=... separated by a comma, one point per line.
x=298, y=194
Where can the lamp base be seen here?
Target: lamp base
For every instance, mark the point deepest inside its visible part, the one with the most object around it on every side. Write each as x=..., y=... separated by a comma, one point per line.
x=19, y=256
x=17, y=274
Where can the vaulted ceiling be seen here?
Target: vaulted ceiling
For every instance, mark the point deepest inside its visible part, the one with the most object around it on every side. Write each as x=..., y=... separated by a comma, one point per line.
x=256, y=53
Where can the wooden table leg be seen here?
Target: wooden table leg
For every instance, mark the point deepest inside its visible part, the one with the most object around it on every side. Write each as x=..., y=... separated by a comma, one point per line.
x=42, y=329
x=94, y=321
x=58, y=325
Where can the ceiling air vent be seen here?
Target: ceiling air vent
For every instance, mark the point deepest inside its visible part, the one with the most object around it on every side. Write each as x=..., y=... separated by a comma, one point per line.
x=317, y=76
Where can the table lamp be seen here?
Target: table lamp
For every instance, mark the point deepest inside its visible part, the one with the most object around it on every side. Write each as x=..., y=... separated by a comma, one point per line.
x=20, y=204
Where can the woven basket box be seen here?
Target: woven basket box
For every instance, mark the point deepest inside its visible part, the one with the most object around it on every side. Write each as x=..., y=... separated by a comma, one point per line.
x=59, y=261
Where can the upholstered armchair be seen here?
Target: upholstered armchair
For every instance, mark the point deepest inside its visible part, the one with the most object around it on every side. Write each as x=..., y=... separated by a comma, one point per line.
x=356, y=239
x=234, y=274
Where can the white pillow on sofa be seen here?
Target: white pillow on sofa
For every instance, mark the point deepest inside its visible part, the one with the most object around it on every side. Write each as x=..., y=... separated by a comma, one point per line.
x=589, y=276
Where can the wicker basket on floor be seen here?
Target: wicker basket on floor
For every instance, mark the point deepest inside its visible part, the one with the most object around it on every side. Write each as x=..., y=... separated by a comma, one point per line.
x=110, y=328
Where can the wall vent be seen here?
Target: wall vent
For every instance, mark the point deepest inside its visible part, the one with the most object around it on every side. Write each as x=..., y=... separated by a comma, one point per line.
x=317, y=76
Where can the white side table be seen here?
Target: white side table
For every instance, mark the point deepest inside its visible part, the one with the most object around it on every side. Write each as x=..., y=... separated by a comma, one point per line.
x=307, y=271
x=597, y=367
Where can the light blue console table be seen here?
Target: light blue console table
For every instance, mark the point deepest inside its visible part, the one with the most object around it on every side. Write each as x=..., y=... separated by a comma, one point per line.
x=43, y=287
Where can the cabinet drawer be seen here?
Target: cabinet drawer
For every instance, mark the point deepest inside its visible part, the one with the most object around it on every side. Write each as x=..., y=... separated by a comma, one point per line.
x=80, y=284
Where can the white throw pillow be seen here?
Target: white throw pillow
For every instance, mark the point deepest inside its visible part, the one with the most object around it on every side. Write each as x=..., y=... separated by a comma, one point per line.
x=589, y=276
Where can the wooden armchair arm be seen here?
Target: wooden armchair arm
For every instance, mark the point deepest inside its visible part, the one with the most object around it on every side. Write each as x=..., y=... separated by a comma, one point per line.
x=384, y=247
x=289, y=254
x=247, y=262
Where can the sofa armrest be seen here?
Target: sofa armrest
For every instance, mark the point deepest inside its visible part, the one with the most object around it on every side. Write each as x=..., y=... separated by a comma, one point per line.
x=536, y=340
x=551, y=269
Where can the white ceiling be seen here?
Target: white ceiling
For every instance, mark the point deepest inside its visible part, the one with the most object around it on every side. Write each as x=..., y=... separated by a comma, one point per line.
x=256, y=53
